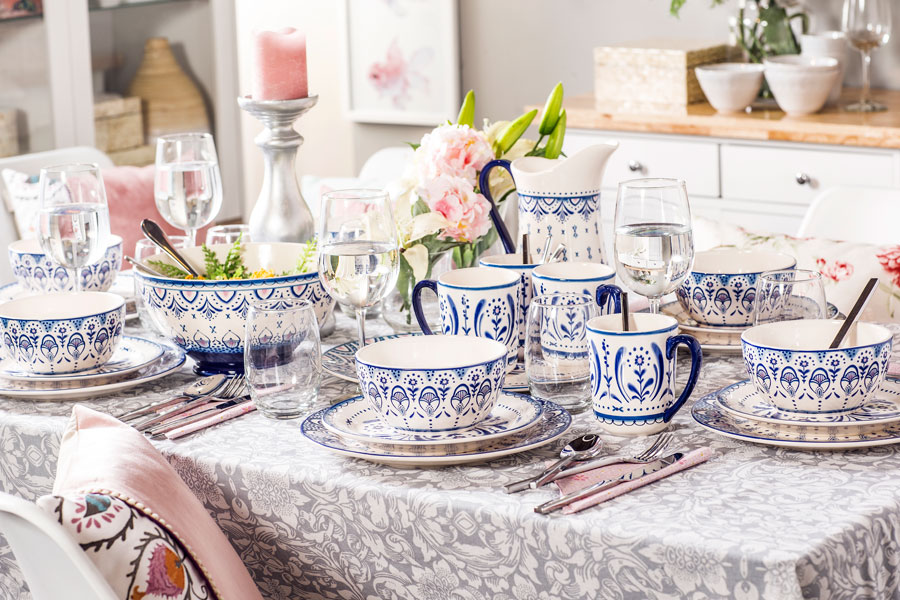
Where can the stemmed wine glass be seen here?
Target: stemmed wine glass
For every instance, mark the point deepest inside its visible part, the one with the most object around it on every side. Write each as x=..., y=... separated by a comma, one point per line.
x=73, y=224
x=867, y=24
x=654, y=246
x=188, y=186
x=359, y=259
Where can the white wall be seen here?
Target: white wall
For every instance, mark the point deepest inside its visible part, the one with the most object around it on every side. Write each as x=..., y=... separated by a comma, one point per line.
x=23, y=81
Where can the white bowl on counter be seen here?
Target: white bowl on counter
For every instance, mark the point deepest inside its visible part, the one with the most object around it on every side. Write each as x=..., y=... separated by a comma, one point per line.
x=801, y=84
x=730, y=87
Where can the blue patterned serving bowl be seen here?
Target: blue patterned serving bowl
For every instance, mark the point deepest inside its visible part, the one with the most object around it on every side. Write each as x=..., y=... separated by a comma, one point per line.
x=35, y=271
x=721, y=287
x=432, y=382
x=207, y=318
x=792, y=367
x=62, y=332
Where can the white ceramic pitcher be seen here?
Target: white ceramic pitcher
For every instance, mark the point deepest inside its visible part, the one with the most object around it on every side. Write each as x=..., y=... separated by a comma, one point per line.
x=559, y=198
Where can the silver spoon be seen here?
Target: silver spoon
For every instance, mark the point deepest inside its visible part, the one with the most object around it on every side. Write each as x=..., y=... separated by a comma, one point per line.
x=588, y=445
x=156, y=235
x=201, y=387
x=142, y=267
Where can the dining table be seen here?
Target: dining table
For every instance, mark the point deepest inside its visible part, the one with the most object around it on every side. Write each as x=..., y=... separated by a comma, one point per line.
x=752, y=522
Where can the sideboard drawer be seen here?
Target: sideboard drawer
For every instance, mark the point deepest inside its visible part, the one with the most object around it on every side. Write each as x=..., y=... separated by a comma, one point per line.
x=651, y=156
x=797, y=176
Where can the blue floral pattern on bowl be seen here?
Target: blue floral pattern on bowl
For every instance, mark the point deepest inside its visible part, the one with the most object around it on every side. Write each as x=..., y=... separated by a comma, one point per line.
x=36, y=272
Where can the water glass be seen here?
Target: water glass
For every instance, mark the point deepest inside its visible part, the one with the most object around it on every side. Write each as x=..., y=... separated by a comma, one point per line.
x=282, y=358
x=789, y=295
x=557, y=357
x=73, y=224
x=143, y=250
x=228, y=234
x=188, y=185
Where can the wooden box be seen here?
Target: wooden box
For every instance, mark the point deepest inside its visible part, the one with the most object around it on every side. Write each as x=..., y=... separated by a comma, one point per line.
x=658, y=71
x=9, y=132
x=118, y=124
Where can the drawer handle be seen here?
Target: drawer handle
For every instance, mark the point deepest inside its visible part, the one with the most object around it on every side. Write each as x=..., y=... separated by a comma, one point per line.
x=635, y=166
x=803, y=179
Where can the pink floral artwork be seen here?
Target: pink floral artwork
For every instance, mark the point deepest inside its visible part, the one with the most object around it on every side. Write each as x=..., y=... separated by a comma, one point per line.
x=397, y=77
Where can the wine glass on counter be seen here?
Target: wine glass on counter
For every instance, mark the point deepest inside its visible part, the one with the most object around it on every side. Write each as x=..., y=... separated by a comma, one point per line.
x=359, y=258
x=188, y=186
x=73, y=224
x=867, y=25
x=654, y=246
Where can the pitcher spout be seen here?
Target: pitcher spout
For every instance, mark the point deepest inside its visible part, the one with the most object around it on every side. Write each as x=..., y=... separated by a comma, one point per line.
x=581, y=171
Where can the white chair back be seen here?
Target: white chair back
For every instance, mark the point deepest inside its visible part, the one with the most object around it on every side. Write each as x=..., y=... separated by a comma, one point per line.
x=850, y=214
x=53, y=564
x=385, y=165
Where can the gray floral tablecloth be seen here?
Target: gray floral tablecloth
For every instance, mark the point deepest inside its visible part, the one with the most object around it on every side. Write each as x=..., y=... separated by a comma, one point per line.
x=753, y=522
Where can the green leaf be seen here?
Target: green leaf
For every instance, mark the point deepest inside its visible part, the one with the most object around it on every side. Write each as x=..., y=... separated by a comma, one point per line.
x=167, y=270
x=420, y=208
x=413, y=146
x=307, y=257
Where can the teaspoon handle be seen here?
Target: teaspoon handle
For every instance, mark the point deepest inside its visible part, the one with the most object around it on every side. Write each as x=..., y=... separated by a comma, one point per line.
x=156, y=235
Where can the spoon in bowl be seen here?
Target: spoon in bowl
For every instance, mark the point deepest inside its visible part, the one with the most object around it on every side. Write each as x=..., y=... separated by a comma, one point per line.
x=156, y=235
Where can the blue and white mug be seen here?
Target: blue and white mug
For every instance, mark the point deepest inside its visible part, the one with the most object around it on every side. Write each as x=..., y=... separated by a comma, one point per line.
x=513, y=262
x=589, y=279
x=478, y=301
x=633, y=372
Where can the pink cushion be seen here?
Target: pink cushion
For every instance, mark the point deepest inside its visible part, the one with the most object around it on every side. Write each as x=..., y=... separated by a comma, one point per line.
x=100, y=454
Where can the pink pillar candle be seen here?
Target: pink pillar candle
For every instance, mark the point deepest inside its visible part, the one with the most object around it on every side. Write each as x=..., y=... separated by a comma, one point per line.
x=279, y=65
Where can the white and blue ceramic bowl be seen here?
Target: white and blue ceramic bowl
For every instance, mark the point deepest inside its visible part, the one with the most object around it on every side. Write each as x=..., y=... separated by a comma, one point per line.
x=36, y=272
x=207, y=318
x=62, y=332
x=432, y=382
x=792, y=368
x=721, y=287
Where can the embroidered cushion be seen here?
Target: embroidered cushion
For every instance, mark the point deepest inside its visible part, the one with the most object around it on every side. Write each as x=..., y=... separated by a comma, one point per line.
x=138, y=557
x=845, y=266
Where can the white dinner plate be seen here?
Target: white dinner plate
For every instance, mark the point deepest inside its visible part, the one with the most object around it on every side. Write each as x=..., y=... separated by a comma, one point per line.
x=553, y=423
x=743, y=400
x=132, y=354
x=123, y=285
x=340, y=361
x=171, y=361
x=711, y=337
x=710, y=415
x=356, y=419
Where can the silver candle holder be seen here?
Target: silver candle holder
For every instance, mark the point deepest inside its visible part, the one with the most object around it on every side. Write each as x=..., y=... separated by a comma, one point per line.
x=280, y=213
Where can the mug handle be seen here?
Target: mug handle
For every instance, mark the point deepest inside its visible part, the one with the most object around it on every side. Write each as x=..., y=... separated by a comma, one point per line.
x=417, y=303
x=696, y=360
x=485, y=189
x=607, y=292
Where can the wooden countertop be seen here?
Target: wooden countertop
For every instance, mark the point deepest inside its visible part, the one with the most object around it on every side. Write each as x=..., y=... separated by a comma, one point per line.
x=830, y=126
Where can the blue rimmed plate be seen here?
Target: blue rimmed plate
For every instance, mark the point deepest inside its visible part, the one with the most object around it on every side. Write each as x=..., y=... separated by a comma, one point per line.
x=553, y=423
x=356, y=419
x=340, y=361
x=133, y=353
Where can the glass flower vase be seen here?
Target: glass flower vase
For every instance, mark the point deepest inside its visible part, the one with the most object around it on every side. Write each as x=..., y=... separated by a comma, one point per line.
x=397, y=307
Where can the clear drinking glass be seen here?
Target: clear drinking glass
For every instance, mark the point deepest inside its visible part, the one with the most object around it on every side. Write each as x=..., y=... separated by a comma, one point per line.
x=282, y=357
x=228, y=234
x=358, y=255
x=557, y=357
x=188, y=186
x=143, y=250
x=654, y=246
x=789, y=295
x=867, y=24
x=73, y=223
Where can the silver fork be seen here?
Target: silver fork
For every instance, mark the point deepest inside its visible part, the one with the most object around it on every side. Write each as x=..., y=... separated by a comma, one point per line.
x=229, y=391
x=654, y=451
x=202, y=412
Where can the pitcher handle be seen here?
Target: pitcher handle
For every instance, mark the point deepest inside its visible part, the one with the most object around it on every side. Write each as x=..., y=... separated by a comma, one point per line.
x=608, y=292
x=417, y=303
x=696, y=360
x=485, y=188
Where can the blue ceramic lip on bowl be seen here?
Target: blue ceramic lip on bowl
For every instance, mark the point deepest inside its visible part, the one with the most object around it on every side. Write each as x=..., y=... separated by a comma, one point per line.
x=432, y=382
x=206, y=318
x=721, y=288
x=793, y=369
x=36, y=272
x=62, y=332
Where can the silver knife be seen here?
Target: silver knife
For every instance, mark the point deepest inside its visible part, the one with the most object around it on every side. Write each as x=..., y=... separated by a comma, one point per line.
x=165, y=416
x=177, y=422
x=641, y=471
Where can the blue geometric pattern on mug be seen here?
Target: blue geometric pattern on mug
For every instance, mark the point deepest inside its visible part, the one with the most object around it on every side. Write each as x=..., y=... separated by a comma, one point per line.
x=38, y=273
x=494, y=318
x=833, y=380
x=432, y=399
x=584, y=207
x=633, y=383
x=725, y=300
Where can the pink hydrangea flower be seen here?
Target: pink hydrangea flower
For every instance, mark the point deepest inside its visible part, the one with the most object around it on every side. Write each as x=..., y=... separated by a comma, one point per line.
x=467, y=213
x=454, y=150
